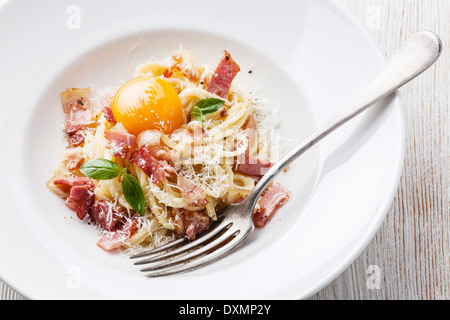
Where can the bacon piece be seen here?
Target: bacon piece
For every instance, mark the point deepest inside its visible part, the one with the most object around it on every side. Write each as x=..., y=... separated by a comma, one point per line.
x=121, y=138
x=192, y=74
x=164, y=156
x=76, y=139
x=183, y=61
x=191, y=192
x=256, y=167
x=248, y=163
x=65, y=184
x=151, y=167
x=195, y=222
x=107, y=111
x=121, y=142
x=268, y=204
x=105, y=215
x=152, y=139
x=73, y=181
x=168, y=73
x=80, y=200
x=117, y=239
x=225, y=72
x=191, y=223
x=106, y=103
x=78, y=113
x=160, y=153
x=73, y=159
x=80, y=191
x=170, y=171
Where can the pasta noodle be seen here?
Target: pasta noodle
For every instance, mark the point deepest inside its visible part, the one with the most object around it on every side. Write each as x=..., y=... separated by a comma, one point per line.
x=203, y=154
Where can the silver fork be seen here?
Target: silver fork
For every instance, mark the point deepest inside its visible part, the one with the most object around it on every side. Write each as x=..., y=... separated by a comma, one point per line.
x=234, y=224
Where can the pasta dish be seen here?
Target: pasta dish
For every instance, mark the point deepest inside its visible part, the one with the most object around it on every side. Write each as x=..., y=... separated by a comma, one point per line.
x=159, y=157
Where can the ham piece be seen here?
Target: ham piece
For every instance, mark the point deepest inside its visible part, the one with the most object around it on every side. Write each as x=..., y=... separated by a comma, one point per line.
x=106, y=103
x=109, y=217
x=160, y=153
x=151, y=166
x=195, y=223
x=270, y=201
x=78, y=113
x=255, y=167
x=106, y=215
x=191, y=223
x=225, y=72
x=76, y=139
x=73, y=159
x=117, y=238
x=152, y=140
x=81, y=194
x=107, y=111
x=250, y=164
x=73, y=181
x=193, y=194
x=121, y=142
x=65, y=184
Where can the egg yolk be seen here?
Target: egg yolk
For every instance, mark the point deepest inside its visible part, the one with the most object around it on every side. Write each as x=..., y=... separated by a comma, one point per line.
x=148, y=103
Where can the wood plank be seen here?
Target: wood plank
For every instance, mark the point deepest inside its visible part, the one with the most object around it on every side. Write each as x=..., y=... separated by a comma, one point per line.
x=412, y=246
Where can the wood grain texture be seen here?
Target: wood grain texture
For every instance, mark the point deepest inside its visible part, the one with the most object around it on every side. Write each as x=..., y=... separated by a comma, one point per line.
x=412, y=247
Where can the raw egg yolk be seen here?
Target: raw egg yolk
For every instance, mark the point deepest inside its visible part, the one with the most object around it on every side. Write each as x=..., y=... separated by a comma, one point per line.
x=148, y=103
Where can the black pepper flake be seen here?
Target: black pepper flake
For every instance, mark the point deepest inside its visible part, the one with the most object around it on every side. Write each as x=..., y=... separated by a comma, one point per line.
x=250, y=71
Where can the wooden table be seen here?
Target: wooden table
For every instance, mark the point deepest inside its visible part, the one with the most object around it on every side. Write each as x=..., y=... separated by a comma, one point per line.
x=410, y=254
x=412, y=248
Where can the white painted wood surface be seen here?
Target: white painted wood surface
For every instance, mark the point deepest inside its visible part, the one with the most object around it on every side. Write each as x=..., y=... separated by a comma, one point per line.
x=411, y=251
x=412, y=248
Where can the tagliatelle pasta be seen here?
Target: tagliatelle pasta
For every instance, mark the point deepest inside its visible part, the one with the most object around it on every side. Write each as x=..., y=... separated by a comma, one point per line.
x=211, y=159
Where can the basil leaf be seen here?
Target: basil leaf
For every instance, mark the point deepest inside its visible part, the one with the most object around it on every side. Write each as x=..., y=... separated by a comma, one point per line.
x=133, y=193
x=205, y=107
x=209, y=105
x=197, y=113
x=100, y=169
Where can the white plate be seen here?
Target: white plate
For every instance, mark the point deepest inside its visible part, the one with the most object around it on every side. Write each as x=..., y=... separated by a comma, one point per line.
x=308, y=56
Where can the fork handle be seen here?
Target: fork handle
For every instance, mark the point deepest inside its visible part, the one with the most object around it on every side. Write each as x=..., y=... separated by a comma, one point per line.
x=420, y=52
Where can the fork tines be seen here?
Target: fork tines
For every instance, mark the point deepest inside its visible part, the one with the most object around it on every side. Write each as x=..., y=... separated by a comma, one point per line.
x=182, y=255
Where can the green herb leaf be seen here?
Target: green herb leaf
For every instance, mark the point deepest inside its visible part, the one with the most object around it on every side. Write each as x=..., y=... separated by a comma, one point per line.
x=197, y=114
x=101, y=169
x=209, y=105
x=205, y=107
x=133, y=193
